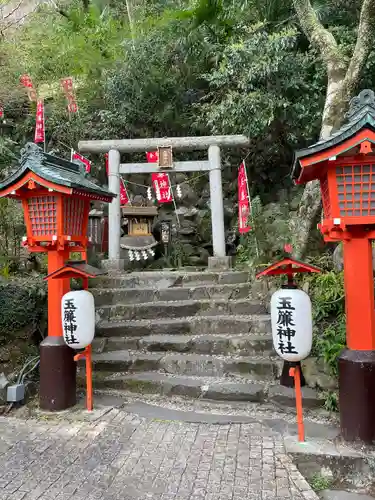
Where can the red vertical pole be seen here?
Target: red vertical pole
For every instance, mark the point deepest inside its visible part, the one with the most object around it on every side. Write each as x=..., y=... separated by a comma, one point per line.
x=295, y=372
x=359, y=294
x=357, y=363
x=89, y=398
x=56, y=289
x=88, y=351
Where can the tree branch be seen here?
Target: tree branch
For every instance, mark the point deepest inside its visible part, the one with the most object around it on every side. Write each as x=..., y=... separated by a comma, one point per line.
x=13, y=10
x=319, y=36
x=362, y=49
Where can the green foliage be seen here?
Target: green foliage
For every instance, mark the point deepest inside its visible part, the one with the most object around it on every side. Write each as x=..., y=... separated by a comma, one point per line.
x=327, y=295
x=320, y=483
x=181, y=67
x=331, y=400
x=23, y=306
x=270, y=232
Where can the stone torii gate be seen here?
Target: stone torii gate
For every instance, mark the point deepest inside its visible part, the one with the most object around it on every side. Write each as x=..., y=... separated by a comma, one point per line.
x=212, y=165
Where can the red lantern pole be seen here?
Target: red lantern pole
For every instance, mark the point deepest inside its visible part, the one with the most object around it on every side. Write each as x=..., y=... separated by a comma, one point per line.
x=295, y=372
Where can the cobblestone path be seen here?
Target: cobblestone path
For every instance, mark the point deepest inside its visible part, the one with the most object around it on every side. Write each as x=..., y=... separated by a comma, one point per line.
x=124, y=457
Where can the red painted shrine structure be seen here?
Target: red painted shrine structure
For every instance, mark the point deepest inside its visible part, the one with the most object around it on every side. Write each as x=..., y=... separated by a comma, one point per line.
x=55, y=196
x=345, y=166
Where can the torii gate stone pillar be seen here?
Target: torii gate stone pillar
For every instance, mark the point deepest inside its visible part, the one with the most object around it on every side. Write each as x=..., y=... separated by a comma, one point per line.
x=213, y=165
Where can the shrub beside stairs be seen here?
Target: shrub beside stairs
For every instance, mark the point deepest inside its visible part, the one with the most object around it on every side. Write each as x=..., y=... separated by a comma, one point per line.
x=199, y=334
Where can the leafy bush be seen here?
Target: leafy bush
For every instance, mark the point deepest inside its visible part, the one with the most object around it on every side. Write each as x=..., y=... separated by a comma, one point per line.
x=327, y=295
x=270, y=232
x=23, y=307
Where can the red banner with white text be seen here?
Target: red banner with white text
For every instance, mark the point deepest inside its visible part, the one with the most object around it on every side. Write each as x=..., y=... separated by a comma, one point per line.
x=39, y=122
x=124, y=198
x=85, y=161
x=244, y=206
x=160, y=181
x=162, y=187
x=68, y=88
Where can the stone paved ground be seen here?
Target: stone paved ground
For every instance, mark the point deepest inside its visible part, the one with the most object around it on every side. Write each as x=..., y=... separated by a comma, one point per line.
x=125, y=457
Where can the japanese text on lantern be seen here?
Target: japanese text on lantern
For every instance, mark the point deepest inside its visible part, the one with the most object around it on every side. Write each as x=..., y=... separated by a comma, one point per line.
x=70, y=322
x=67, y=86
x=285, y=326
x=243, y=201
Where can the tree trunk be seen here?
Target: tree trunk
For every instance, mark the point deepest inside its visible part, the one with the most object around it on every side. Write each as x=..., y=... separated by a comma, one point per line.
x=343, y=79
x=310, y=208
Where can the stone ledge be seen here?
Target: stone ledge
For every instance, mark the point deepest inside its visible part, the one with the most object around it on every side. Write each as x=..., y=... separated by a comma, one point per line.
x=220, y=263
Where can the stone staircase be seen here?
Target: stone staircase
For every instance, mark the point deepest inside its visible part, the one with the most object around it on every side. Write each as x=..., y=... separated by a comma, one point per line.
x=189, y=333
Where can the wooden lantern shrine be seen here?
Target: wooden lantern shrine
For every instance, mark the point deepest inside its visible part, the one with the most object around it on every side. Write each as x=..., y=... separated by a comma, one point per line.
x=345, y=166
x=55, y=196
x=139, y=240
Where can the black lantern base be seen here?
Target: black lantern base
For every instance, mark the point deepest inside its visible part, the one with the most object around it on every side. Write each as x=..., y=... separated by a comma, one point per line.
x=286, y=380
x=357, y=395
x=57, y=375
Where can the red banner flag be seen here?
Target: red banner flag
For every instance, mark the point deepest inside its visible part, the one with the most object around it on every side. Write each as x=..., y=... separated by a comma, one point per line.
x=152, y=156
x=124, y=198
x=244, y=206
x=39, y=125
x=160, y=181
x=27, y=82
x=1, y=112
x=67, y=86
x=85, y=161
x=162, y=187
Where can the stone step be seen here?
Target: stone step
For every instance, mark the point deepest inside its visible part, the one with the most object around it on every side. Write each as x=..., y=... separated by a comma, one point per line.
x=195, y=325
x=108, y=296
x=179, y=309
x=264, y=368
x=165, y=279
x=200, y=344
x=211, y=388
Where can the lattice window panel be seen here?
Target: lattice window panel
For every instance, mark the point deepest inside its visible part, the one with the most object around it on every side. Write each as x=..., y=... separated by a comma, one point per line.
x=73, y=216
x=356, y=190
x=43, y=215
x=325, y=197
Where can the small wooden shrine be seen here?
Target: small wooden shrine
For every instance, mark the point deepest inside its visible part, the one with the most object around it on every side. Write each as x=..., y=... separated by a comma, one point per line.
x=138, y=239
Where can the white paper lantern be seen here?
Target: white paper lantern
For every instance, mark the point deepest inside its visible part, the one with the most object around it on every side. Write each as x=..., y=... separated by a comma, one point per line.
x=291, y=320
x=78, y=318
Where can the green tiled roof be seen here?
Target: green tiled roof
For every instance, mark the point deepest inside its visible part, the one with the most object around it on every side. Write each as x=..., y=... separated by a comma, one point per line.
x=56, y=170
x=361, y=115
